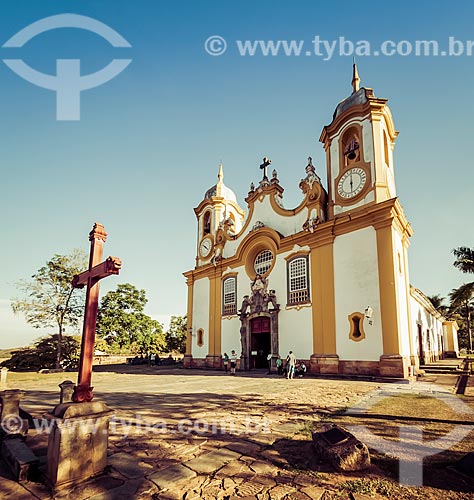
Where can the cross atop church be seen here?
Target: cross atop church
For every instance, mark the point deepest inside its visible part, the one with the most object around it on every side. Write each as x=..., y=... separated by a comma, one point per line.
x=264, y=167
x=90, y=278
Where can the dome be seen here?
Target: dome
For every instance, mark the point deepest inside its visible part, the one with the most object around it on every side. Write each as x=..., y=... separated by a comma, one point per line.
x=220, y=189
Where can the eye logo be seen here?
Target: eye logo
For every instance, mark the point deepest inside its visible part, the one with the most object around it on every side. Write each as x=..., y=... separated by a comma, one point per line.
x=68, y=82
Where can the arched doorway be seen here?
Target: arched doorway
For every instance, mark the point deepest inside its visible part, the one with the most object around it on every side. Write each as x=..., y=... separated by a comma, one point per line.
x=260, y=342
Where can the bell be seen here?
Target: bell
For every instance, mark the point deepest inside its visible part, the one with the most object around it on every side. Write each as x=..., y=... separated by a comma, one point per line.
x=351, y=155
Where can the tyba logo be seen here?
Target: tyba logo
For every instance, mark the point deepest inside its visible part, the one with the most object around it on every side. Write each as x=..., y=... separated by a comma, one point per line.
x=68, y=82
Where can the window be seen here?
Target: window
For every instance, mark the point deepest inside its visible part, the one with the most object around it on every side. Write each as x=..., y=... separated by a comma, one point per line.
x=298, y=282
x=200, y=337
x=207, y=223
x=263, y=262
x=229, y=296
x=356, y=326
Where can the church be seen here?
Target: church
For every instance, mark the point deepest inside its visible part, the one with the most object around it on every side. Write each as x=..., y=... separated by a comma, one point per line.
x=329, y=279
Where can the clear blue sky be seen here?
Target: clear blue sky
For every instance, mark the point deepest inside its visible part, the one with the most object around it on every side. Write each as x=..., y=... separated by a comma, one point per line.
x=149, y=142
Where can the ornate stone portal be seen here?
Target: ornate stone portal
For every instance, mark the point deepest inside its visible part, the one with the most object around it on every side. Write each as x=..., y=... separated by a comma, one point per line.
x=257, y=306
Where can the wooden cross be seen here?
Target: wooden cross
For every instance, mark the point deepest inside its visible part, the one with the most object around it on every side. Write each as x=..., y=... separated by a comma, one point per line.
x=90, y=278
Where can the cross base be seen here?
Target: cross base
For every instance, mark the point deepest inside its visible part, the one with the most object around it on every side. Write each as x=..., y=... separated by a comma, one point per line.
x=82, y=394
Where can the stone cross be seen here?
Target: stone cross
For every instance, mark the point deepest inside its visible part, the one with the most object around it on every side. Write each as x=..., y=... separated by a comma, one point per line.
x=90, y=278
x=264, y=166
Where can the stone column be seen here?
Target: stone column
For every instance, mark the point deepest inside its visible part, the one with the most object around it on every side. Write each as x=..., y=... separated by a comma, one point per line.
x=3, y=376
x=10, y=420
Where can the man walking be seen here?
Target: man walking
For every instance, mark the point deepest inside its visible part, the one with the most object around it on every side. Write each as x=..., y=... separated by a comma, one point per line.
x=233, y=362
x=290, y=365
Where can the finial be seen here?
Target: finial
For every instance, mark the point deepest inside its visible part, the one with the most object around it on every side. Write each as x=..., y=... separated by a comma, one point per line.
x=220, y=175
x=310, y=161
x=355, y=77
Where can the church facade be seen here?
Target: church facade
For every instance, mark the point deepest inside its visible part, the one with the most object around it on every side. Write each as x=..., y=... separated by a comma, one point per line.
x=328, y=279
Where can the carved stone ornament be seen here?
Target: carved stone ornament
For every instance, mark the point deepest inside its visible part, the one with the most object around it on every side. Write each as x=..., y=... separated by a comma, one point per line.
x=260, y=299
x=308, y=183
x=311, y=224
x=259, y=224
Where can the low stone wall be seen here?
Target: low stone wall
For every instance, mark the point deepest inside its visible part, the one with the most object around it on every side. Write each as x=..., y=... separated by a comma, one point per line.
x=107, y=359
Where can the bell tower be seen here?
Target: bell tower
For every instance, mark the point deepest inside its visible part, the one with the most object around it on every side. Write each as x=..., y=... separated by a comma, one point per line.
x=359, y=150
x=217, y=211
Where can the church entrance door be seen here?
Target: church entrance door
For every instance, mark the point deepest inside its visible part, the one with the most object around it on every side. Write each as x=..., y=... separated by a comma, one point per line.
x=260, y=345
x=421, y=350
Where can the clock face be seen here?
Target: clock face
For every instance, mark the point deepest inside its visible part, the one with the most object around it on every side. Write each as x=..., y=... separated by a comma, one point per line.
x=205, y=247
x=351, y=183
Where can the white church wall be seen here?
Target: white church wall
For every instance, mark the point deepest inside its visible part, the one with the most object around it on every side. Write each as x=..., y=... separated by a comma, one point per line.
x=263, y=212
x=230, y=339
x=201, y=316
x=296, y=332
x=356, y=286
x=402, y=299
x=432, y=327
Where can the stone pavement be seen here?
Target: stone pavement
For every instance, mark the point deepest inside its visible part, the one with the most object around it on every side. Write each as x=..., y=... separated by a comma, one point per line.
x=195, y=434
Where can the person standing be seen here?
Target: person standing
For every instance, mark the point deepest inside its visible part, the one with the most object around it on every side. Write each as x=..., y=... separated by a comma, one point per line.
x=225, y=360
x=233, y=362
x=269, y=363
x=290, y=365
x=279, y=365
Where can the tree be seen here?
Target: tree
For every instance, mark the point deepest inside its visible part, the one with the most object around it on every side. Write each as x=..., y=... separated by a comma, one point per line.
x=44, y=354
x=464, y=259
x=176, y=334
x=462, y=306
x=438, y=303
x=122, y=323
x=49, y=300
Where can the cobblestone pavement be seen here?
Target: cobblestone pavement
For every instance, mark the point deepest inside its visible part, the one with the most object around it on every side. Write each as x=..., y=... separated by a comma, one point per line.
x=188, y=434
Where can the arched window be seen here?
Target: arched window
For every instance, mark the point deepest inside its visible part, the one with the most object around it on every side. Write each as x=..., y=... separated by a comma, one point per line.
x=207, y=223
x=229, y=296
x=298, y=280
x=351, y=147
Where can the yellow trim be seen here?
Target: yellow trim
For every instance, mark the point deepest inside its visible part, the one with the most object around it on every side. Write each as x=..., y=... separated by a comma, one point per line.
x=387, y=213
x=324, y=308
x=351, y=318
x=215, y=309
x=388, y=290
x=189, y=322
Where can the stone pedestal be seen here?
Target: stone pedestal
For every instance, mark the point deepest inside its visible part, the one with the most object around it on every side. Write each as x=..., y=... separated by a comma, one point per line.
x=77, y=446
x=324, y=364
x=3, y=376
x=10, y=421
x=395, y=366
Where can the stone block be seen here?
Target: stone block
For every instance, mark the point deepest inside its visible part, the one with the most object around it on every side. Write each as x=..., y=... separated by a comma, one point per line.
x=18, y=457
x=77, y=444
x=395, y=366
x=340, y=448
x=324, y=364
x=172, y=476
x=210, y=462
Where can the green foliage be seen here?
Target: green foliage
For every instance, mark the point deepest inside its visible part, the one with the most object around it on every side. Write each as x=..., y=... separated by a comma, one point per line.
x=176, y=334
x=122, y=324
x=44, y=354
x=49, y=300
x=464, y=259
x=462, y=309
